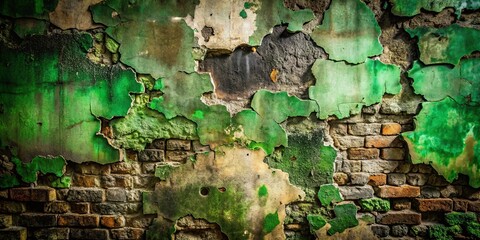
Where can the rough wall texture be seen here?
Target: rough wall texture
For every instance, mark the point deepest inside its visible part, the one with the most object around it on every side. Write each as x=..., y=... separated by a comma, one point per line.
x=271, y=119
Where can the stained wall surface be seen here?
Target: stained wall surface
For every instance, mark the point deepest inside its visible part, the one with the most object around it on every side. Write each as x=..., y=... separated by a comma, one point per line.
x=264, y=119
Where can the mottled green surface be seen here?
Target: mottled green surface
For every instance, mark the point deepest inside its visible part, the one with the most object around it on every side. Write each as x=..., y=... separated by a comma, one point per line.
x=345, y=217
x=24, y=27
x=273, y=12
x=442, y=232
x=153, y=38
x=143, y=125
x=413, y=7
x=8, y=180
x=270, y=222
x=446, y=136
x=27, y=8
x=460, y=218
x=52, y=94
x=316, y=221
x=349, y=32
x=62, y=182
x=342, y=89
x=461, y=83
x=29, y=171
x=263, y=191
x=329, y=194
x=473, y=229
x=280, y=105
x=445, y=45
x=374, y=204
x=164, y=171
x=307, y=161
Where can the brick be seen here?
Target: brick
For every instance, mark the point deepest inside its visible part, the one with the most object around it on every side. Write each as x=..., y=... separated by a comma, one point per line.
x=417, y=179
x=364, y=129
x=56, y=207
x=401, y=204
x=123, y=181
x=404, y=191
x=178, y=156
x=81, y=234
x=399, y=230
x=85, y=195
x=3, y=194
x=392, y=153
x=378, y=179
x=429, y=192
x=145, y=181
x=451, y=191
x=78, y=220
x=182, y=145
x=92, y=169
x=37, y=220
x=140, y=221
x=11, y=207
x=434, y=205
x=474, y=206
x=116, y=195
x=350, y=166
x=379, y=166
x=403, y=167
x=79, y=207
x=383, y=141
x=5, y=221
x=437, y=181
x=396, y=179
x=125, y=168
x=198, y=147
x=113, y=221
x=460, y=205
x=52, y=233
x=151, y=155
x=391, y=129
x=149, y=168
x=127, y=233
x=356, y=192
x=400, y=217
x=157, y=144
x=345, y=142
x=362, y=153
x=340, y=178
x=13, y=233
x=359, y=178
x=338, y=129
x=380, y=230
x=43, y=194
x=86, y=180
x=110, y=208
x=134, y=195
x=20, y=194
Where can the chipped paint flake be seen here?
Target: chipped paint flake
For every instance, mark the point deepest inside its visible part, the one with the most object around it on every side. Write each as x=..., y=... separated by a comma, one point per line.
x=413, y=7
x=445, y=45
x=446, y=136
x=361, y=85
x=29, y=171
x=73, y=14
x=347, y=25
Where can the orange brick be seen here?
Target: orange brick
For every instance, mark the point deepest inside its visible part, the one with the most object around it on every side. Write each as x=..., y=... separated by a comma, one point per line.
x=78, y=220
x=400, y=217
x=362, y=153
x=392, y=153
x=383, y=141
x=377, y=180
x=113, y=221
x=86, y=180
x=434, y=205
x=404, y=191
x=391, y=129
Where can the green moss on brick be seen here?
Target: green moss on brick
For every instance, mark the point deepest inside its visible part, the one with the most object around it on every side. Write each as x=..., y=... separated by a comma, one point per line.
x=316, y=221
x=345, y=217
x=473, y=229
x=270, y=222
x=163, y=171
x=328, y=194
x=375, y=204
x=62, y=182
x=460, y=218
x=263, y=191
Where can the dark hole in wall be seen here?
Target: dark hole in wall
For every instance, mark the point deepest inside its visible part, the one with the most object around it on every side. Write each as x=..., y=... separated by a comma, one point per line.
x=282, y=62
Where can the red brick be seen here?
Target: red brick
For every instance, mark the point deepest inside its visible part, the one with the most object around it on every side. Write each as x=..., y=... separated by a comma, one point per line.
x=400, y=217
x=377, y=180
x=474, y=206
x=79, y=207
x=114, y=221
x=460, y=205
x=404, y=191
x=43, y=194
x=362, y=153
x=78, y=220
x=20, y=194
x=383, y=141
x=434, y=205
x=391, y=128
x=392, y=153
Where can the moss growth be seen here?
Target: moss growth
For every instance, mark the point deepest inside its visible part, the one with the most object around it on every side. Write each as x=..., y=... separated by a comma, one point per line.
x=345, y=217
x=8, y=180
x=243, y=14
x=316, y=221
x=262, y=191
x=375, y=204
x=111, y=45
x=163, y=171
x=62, y=182
x=460, y=218
x=270, y=222
x=473, y=229
x=328, y=194
x=442, y=232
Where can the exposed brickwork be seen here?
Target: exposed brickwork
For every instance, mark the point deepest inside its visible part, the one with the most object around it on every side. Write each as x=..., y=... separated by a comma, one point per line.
x=400, y=217
x=398, y=192
x=434, y=205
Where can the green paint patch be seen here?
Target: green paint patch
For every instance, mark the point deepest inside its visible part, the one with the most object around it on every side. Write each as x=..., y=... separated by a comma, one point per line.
x=446, y=137
x=52, y=96
x=248, y=5
x=8, y=180
x=44, y=165
x=316, y=221
x=413, y=7
x=274, y=12
x=436, y=82
x=143, y=125
x=111, y=45
x=33, y=9
x=306, y=160
x=362, y=85
x=62, y=182
x=445, y=45
x=262, y=191
x=270, y=222
x=345, y=217
x=374, y=204
x=329, y=194
x=243, y=14
x=348, y=25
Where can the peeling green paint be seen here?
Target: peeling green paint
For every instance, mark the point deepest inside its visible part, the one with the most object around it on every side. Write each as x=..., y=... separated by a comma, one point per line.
x=143, y=125
x=153, y=37
x=307, y=161
x=262, y=191
x=413, y=7
x=347, y=25
x=374, y=204
x=446, y=137
x=8, y=180
x=52, y=95
x=270, y=222
x=29, y=171
x=34, y=8
x=62, y=182
x=243, y=14
x=362, y=85
x=316, y=221
x=345, y=217
x=273, y=12
x=461, y=83
x=329, y=194
x=445, y=45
